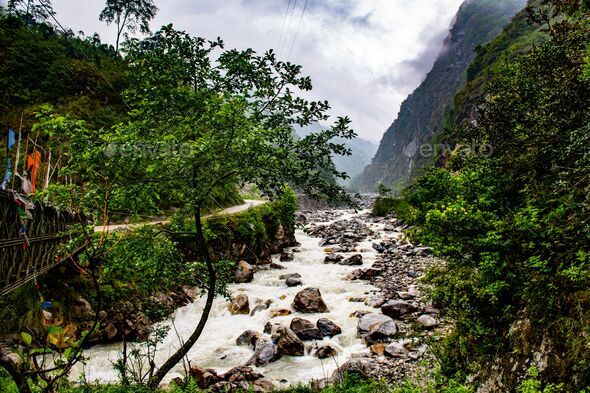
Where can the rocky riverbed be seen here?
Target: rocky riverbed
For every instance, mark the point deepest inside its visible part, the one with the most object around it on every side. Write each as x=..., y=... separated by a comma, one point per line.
x=345, y=298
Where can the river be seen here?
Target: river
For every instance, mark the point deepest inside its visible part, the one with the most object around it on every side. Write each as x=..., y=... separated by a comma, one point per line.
x=216, y=347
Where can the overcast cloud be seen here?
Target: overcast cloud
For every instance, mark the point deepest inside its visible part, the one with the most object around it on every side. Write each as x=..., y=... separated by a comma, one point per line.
x=364, y=56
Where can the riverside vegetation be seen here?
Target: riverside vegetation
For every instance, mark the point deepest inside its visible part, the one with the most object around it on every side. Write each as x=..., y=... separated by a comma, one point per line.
x=513, y=226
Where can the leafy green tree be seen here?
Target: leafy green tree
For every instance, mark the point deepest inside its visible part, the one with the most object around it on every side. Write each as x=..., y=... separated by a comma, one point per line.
x=513, y=224
x=32, y=10
x=130, y=15
x=204, y=116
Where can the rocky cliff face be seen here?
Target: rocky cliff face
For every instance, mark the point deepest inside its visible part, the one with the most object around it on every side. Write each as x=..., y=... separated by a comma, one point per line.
x=422, y=115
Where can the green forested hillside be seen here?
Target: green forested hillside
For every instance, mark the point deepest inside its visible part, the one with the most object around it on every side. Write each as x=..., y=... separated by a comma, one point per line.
x=509, y=209
x=421, y=118
x=42, y=65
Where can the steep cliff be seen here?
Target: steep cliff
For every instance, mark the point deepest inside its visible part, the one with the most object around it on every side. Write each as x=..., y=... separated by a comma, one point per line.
x=422, y=115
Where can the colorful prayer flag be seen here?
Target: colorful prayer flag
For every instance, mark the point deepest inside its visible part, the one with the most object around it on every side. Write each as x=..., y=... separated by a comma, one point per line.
x=11, y=138
x=8, y=174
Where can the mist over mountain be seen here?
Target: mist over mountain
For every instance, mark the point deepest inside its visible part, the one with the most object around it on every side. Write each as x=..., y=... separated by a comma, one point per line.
x=422, y=115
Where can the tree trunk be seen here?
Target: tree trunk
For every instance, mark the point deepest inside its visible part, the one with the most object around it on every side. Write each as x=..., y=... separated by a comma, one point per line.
x=203, y=250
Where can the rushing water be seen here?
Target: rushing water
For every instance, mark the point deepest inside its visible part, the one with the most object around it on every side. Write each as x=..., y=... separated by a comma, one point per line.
x=216, y=347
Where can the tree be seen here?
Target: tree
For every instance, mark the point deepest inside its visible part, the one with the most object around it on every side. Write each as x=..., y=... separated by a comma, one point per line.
x=132, y=15
x=204, y=116
x=36, y=10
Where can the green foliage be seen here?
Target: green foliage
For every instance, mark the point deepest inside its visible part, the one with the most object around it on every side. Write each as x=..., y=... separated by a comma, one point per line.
x=77, y=75
x=514, y=226
x=7, y=385
x=143, y=258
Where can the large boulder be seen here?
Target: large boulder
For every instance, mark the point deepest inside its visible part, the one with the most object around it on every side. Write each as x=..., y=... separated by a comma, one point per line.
x=248, y=339
x=305, y=329
x=397, y=308
x=375, y=328
x=310, y=300
x=244, y=273
x=240, y=305
x=328, y=328
x=355, y=260
x=266, y=352
x=287, y=342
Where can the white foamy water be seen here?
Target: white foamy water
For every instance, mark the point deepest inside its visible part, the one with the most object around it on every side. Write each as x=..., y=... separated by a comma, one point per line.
x=216, y=347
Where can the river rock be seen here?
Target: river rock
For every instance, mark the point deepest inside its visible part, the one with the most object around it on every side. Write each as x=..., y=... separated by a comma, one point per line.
x=430, y=310
x=287, y=342
x=244, y=273
x=226, y=387
x=276, y=266
x=361, y=366
x=262, y=386
x=240, y=305
x=267, y=328
x=333, y=258
x=260, y=307
x=305, y=329
x=266, y=352
x=248, y=339
x=427, y=321
x=375, y=301
x=365, y=274
x=378, y=349
x=375, y=328
x=287, y=256
x=325, y=351
x=289, y=275
x=81, y=310
x=379, y=248
x=110, y=331
x=328, y=328
x=396, y=350
x=310, y=300
x=205, y=377
x=293, y=282
x=397, y=308
x=242, y=374
x=355, y=260
x=279, y=312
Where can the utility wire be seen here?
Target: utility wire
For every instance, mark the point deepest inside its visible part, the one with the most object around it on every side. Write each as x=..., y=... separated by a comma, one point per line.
x=298, y=28
x=288, y=27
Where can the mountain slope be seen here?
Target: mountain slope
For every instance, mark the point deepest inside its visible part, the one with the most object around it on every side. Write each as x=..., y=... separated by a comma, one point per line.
x=423, y=113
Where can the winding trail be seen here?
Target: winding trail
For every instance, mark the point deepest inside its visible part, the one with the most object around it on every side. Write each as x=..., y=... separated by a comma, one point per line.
x=248, y=204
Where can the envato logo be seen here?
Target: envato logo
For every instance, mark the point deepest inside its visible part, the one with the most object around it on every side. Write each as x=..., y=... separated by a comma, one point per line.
x=143, y=150
x=429, y=150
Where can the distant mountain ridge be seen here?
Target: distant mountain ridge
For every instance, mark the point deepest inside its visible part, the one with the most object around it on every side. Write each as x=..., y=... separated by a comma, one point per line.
x=422, y=115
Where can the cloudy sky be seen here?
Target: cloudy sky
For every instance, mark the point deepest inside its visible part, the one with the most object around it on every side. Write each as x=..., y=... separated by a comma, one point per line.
x=364, y=56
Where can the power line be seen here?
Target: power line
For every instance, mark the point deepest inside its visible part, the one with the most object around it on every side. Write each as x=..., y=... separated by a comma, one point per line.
x=298, y=28
x=288, y=27
x=284, y=24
